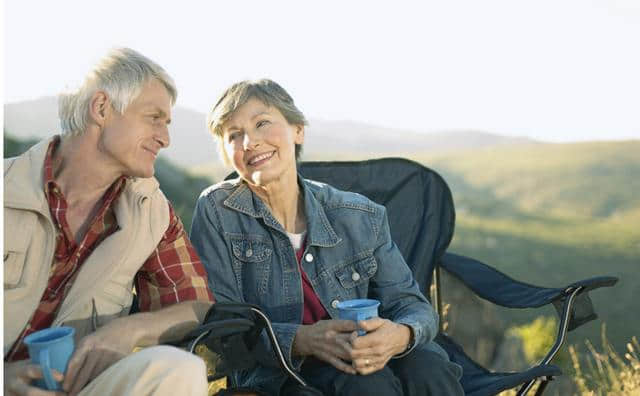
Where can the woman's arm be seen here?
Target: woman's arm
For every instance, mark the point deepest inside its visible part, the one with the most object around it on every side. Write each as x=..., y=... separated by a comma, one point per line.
x=399, y=293
x=207, y=237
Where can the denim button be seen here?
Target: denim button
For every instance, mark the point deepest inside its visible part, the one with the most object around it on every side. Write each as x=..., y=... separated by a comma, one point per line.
x=308, y=257
x=335, y=303
x=355, y=276
x=249, y=252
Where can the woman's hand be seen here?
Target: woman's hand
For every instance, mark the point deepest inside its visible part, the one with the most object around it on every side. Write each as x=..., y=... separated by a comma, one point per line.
x=327, y=340
x=18, y=377
x=383, y=340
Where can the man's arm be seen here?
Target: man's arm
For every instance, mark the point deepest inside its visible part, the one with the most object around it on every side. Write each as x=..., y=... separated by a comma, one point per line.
x=174, y=297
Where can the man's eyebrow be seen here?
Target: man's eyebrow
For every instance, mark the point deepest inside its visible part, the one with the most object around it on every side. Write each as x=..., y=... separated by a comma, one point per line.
x=162, y=113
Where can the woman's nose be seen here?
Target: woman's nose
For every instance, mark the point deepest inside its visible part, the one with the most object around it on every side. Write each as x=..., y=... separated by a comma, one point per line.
x=251, y=140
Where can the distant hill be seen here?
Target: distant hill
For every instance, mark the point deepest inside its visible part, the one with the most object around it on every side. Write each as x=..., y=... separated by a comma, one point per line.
x=551, y=214
x=192, y=144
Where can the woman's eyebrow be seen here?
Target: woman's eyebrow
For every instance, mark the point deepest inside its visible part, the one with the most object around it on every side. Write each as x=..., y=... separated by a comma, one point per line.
x=259, y=114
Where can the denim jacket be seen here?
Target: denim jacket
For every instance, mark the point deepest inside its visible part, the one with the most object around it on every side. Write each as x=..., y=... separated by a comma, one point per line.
x=349, y=254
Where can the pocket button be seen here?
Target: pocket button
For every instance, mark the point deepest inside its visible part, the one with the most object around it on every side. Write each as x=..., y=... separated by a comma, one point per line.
x=335, y=303
x=308, y=258
x=355, y=276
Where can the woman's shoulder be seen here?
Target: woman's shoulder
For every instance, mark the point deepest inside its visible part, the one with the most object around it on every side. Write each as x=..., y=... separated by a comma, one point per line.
x=219, y=191
x=333, y=198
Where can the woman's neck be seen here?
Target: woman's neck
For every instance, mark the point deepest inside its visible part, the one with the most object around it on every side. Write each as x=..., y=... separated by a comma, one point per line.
x=285, y=202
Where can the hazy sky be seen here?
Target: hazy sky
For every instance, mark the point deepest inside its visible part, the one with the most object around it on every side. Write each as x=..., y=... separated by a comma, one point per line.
x=556, y=70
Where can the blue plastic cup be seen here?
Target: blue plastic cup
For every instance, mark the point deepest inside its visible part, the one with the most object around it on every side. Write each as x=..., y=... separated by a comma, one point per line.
x=358, y=309
x=51, y=349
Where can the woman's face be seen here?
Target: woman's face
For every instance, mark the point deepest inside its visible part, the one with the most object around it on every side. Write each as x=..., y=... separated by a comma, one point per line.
x=260, y=143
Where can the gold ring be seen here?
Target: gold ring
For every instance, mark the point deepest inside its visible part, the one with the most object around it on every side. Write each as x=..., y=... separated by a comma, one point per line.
x=367, y=362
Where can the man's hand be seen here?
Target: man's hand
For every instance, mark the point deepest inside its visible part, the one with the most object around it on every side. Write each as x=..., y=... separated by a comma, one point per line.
x=98, y=351
x=18, y=377
x=383, y=340
x=327, y=340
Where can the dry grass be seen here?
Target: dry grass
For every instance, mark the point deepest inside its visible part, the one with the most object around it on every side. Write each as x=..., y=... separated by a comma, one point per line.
x=606, y=373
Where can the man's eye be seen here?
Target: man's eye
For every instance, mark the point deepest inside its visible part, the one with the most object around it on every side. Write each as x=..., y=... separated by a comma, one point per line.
x=262, y=123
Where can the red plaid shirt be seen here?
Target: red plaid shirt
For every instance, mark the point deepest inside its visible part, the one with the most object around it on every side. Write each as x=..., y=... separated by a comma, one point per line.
x=173, y=273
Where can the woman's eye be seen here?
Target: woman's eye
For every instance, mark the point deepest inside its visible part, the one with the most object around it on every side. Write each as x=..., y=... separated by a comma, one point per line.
x=233, y=136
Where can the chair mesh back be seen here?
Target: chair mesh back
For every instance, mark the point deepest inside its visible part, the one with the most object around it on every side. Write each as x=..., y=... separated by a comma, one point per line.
x=418, y=201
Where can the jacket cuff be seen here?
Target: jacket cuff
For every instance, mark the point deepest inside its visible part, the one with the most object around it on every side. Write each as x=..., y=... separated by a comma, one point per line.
x=286, y=333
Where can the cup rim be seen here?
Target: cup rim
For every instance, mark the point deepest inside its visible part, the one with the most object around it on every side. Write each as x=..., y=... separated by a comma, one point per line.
x=371, y=304
x=65, y=331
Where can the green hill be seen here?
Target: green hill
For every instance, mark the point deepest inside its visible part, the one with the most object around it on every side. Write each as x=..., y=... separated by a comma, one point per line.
x=550, y=214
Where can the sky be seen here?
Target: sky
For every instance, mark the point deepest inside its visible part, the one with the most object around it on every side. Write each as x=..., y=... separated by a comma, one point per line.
x=554, y=70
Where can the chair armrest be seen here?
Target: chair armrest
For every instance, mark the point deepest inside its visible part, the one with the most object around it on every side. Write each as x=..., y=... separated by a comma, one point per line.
x=492, y=285
x=500, y=289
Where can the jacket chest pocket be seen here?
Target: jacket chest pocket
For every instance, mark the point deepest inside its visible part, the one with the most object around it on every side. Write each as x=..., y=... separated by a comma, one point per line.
x=252, y=262
x=355, y=276
x=13, y=268
x=18, y=230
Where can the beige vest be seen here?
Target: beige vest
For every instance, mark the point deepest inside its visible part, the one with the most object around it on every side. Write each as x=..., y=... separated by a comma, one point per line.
x=106, y=276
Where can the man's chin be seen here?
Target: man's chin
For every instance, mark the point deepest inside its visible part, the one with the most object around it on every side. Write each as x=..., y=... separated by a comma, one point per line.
x=143, y=174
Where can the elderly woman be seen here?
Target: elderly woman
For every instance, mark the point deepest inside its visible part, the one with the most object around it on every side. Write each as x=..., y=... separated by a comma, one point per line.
x=296, y=248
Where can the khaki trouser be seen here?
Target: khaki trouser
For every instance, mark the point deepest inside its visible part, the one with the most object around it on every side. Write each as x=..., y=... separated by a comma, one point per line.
x=158, y=371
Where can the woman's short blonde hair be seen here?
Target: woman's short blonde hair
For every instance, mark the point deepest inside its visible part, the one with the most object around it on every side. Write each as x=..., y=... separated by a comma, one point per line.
x=265, y=90
x=121, y=74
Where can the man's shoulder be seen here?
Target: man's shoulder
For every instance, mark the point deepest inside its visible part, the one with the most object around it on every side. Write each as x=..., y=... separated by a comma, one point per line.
x=8, y=164
x=144, y=186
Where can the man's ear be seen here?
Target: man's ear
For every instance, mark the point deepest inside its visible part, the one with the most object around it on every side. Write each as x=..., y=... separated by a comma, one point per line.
x=99, y=108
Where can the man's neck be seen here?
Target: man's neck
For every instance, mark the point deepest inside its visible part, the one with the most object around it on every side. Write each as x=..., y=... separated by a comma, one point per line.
x=78, y=171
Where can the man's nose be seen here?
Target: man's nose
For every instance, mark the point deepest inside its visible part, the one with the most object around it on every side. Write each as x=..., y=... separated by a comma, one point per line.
x=162, y=136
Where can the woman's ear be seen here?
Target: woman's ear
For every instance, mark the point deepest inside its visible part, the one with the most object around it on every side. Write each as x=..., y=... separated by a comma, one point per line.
x=299, y=137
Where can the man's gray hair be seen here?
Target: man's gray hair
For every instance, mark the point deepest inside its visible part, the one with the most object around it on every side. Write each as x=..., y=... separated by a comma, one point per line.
x=121, y=74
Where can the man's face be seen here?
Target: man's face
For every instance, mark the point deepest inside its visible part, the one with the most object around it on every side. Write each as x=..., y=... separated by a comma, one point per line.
x=131, y=141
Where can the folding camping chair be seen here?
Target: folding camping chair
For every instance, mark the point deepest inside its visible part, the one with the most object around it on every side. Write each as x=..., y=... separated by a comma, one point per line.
x=421, y=217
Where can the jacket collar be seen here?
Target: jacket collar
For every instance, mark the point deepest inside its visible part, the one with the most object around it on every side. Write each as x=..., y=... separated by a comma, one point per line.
x=319, y=230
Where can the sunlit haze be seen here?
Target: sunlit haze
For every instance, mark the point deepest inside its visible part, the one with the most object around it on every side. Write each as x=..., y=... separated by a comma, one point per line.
x=552, y=70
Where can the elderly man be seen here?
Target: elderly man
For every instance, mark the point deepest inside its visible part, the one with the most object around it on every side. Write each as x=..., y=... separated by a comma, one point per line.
x=85, y=222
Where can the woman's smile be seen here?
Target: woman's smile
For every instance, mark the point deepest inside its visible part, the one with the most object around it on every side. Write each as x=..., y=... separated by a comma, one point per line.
x=260, y=159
